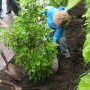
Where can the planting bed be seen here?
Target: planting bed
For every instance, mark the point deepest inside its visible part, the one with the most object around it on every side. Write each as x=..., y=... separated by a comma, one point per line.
x=69, y=70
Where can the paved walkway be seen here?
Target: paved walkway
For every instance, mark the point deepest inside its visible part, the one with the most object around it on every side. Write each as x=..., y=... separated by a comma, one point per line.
x=6, y=21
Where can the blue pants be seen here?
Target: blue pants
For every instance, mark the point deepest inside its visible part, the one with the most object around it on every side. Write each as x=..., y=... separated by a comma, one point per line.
x=0, y=8
x=9, y=6
x=12, y=5
x=63, y=44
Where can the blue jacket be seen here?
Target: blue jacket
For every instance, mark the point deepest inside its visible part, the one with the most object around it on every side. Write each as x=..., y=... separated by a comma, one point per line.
x=50, y=11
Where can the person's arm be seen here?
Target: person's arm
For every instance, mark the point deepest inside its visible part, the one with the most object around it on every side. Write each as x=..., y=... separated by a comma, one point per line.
x=57, y=34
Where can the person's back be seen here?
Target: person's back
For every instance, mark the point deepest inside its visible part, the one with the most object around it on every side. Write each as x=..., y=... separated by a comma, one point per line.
x=50, y=15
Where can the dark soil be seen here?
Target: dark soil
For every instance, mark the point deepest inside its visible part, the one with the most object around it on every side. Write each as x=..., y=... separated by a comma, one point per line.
x=69, y=70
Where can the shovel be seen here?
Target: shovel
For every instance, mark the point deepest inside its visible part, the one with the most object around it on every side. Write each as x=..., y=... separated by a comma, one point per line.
x=15, y=87
x=13, y=70
x=3, y=25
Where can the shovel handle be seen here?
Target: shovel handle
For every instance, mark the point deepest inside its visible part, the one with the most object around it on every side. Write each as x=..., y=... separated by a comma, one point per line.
x=14, y=86
x=10, y=84
x=3, y=56
x=7, y=83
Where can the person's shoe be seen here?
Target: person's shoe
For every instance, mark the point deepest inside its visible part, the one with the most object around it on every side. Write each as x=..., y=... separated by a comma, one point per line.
x=67, y=55
x=1, y=17
x=8, y=12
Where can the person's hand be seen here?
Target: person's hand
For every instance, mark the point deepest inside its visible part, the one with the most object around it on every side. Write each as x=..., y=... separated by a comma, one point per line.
x=39, y=19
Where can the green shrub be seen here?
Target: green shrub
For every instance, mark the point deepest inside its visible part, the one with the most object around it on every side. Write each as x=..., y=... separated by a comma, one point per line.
x=84, y=83
x=27, y=38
